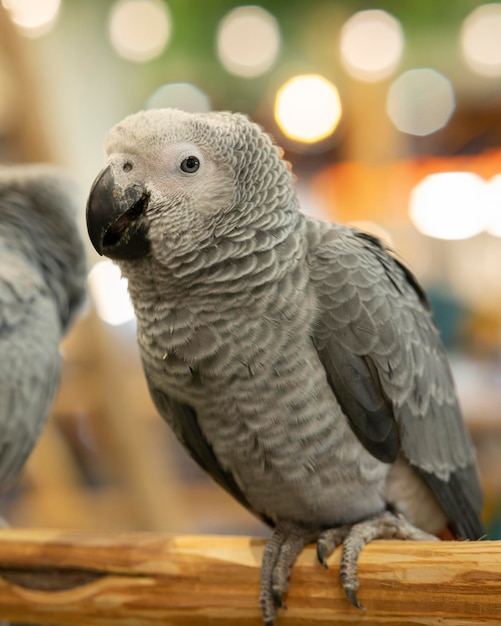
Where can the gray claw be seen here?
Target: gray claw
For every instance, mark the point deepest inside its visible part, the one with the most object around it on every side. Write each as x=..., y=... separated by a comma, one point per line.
x=351, y=594
x=278, y=598
x=322, y=555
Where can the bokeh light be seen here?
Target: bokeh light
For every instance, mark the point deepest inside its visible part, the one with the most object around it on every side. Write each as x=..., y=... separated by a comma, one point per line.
x=185, y=96
x=481, y=39
x=33, y=17
x=450, y=205
x=420, y=101
x=494, y=218
x=307, y=108
x=109, y=294
x=371, y=45
x=248, y=41
x=139, y=29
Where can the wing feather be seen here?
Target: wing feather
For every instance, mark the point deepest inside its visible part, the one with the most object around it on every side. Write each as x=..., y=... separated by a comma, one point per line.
x=386, y=364
x=30, y=330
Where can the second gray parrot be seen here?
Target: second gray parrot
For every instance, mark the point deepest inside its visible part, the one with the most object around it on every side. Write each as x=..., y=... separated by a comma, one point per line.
x=296, y=360
x=42, y=286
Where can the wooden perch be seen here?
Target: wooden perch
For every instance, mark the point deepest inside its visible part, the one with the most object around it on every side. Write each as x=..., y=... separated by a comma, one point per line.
x=152, y=579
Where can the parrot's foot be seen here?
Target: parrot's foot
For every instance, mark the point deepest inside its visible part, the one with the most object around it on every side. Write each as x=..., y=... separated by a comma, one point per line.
x=279, y=555
x=289, y=539
x=386, y=525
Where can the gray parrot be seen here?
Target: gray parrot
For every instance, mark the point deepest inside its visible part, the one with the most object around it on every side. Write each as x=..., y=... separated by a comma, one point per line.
x=42, y=285
x=296, y=360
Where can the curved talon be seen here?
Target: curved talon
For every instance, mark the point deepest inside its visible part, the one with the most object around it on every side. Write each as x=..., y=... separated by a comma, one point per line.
x=278, y=598
x=322, y=555
x=351, y=594
x=328, y=541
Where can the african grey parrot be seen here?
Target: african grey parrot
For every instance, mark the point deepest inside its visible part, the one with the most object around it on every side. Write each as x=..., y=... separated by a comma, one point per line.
x=296, y=360
x=42, y=285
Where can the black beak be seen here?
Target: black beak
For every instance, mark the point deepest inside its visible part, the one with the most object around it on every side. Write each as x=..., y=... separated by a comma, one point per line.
x=115, y=218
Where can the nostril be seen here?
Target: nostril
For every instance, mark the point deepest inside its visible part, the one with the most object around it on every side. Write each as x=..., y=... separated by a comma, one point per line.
x=127, y=166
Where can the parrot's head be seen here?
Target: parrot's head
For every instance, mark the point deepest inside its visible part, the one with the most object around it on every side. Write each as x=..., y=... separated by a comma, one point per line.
x=175, y=181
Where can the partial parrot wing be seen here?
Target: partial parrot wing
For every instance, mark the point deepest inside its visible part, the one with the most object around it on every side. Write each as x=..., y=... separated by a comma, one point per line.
x=29, y=362
x=388, y=369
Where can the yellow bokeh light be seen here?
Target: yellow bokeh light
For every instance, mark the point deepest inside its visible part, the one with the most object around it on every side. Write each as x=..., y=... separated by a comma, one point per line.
x=481, y=41
x=248, y=41
x=139, y=29
x=33, y=17
x=307, y=108
x=371, y=45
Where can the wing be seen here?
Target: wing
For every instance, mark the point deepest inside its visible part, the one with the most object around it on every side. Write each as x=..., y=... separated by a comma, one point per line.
x=386, y=364
x=29, y=363
x=182, y=418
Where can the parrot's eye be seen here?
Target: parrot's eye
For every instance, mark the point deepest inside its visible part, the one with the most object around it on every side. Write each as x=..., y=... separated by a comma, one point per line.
x=190, y=164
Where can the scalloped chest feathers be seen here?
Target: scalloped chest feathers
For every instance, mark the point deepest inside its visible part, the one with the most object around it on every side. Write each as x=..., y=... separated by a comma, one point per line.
x=244, y=359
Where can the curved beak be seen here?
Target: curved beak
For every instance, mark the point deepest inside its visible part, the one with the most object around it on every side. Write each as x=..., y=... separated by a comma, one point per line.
x=115, y=218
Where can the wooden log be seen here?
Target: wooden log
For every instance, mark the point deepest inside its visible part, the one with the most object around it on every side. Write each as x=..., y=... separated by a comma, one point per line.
x=153, y=579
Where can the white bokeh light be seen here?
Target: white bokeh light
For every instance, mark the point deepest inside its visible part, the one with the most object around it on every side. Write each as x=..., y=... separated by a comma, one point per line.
x=481, y=40
x=109, y=293
x=33, y=17
x=450, y=205
x=248, y=41
x=420, y=101
x=371, y=45
x=139, y=29
x=494, y=219
x=307, y=108
x=185, y=96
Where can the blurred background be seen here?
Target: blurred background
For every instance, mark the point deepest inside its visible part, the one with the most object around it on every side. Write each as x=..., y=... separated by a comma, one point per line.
x=390, y=113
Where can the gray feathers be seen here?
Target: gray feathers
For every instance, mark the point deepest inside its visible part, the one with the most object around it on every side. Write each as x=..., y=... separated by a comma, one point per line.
x=42, y=282
x=392, y=377
x=296, y=360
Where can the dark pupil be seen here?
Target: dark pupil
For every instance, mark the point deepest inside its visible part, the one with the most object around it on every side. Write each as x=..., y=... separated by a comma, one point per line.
x=190, y=164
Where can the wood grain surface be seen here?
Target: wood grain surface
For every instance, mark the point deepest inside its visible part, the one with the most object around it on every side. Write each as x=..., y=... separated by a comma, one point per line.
x=153, y=579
